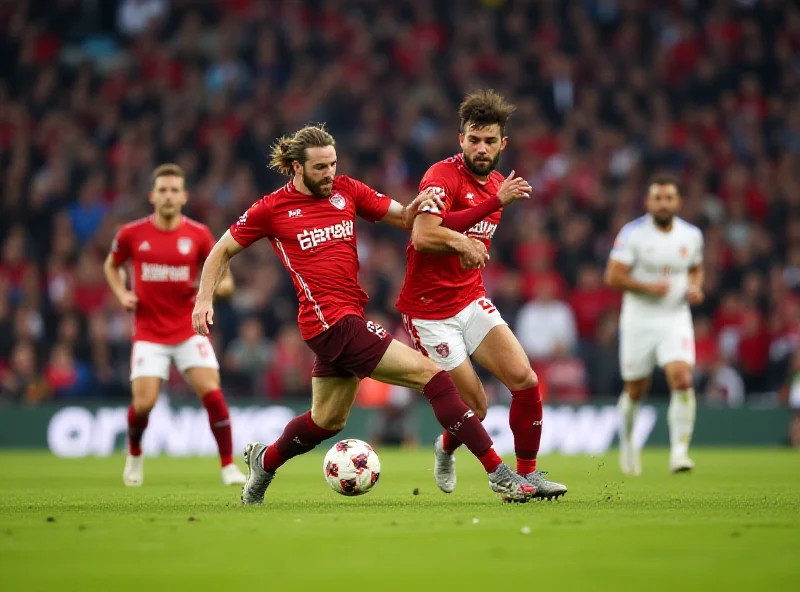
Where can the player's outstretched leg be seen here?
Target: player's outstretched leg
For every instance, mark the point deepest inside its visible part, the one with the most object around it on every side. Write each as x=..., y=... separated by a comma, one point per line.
x=332, y=398
x=404, y=366
x=680, y=415
x=471, y=392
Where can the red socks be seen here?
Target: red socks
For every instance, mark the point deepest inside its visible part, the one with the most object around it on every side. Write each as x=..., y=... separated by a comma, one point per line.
x=220, y=421
x=449, y=442
x=136, y=427
x=299, y=436
x=459, y=420
x=218, y=418
x=525, y=420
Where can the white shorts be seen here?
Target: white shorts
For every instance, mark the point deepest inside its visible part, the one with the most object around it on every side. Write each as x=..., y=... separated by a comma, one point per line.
x=154, y=359
x=644, y=345
x=450, y=341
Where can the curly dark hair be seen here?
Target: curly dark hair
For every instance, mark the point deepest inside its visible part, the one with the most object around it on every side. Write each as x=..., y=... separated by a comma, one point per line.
x=483, y=108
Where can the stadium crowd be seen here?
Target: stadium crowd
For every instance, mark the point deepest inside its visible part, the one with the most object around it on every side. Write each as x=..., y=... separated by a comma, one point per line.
x=94, y=95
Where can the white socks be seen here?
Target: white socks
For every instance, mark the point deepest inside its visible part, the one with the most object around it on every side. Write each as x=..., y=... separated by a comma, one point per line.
x=680, y=417
x=627, y=410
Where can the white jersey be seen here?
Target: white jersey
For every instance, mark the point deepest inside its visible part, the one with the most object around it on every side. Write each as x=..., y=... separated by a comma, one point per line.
x=655, y=255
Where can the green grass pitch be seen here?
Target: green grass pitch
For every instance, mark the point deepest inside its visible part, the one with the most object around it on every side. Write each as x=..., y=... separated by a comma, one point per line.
x=734, y=524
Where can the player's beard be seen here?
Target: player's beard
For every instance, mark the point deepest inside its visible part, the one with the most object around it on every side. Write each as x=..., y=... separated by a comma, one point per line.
x=482, y=168
x=663, y=220
x=167, y=213
x=316, y=188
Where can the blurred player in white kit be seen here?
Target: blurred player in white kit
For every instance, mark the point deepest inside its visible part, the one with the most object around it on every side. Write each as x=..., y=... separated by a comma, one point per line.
x=657, y=261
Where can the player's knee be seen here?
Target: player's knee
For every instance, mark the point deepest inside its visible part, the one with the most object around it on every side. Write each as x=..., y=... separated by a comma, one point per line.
x=204, y=382
x=635, y=391
x=428, y=369
x=206, y=387
x=521, y=377
x=679, y=376
x=143, y=405
x=682, y=381
x=480, y=409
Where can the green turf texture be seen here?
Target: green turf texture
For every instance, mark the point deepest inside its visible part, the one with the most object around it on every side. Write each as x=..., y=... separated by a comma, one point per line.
x=733, y=524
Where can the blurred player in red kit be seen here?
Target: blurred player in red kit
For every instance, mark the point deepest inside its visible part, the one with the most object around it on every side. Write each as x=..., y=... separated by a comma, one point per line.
x=444, y=305
x=310, y=222
x=166, y=251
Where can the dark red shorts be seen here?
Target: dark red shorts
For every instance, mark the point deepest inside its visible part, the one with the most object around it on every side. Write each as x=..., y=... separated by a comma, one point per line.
x=353, y=346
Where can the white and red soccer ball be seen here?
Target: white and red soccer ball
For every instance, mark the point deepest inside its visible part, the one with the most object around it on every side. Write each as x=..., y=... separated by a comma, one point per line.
x=351, y=467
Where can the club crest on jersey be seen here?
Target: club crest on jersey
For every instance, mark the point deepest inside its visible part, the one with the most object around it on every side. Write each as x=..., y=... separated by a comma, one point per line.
x=338, y=201
x=443, y=350
x=184, y=245
x=684, y=251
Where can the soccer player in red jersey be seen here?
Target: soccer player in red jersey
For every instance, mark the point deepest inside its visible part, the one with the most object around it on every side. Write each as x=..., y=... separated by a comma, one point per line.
x=310, y=222
x=166, y=251
x=444, y=305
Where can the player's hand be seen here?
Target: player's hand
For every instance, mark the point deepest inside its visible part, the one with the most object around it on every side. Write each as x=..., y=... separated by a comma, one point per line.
x=694, y=295
x=426, y=201
x=202, y=317
x=474, y=254
x=128, y=300
x=514, y=188
x=658, y=289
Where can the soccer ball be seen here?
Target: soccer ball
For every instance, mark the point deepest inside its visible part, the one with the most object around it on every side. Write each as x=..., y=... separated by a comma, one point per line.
x=351, y=467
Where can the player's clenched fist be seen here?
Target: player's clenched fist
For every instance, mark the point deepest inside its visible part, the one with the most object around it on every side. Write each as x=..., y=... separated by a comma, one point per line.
x=514, y=188
x=694, y=295
x=426, y=201
x=202, y=317
x=128, y=300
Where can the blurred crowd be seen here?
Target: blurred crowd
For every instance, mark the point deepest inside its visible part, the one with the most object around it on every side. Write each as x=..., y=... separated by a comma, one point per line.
x=94, y=95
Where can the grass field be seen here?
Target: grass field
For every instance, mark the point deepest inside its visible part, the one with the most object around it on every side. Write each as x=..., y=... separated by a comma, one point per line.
x=732, y=525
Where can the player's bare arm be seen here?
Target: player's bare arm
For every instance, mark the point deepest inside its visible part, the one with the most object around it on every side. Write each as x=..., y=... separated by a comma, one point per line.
x=618, y=276
x=214, y=269
x=403, y=216
x=429, y=236
x=694, y=293
x=115, y=276
x=226, y=285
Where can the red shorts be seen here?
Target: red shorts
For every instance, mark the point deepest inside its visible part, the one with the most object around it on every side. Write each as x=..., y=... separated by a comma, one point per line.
x=353, y=346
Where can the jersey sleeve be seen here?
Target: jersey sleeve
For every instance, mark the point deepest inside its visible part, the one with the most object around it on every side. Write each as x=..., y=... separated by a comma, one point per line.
x=121, y=246
x=624, y=249
x=370, y=204
x=442, y=178
x=254, y=224
x=697, y=256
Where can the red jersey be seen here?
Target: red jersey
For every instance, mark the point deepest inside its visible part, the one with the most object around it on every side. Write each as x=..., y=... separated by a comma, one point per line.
x=437, y=286
x=316, y=241
x=165, y=268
